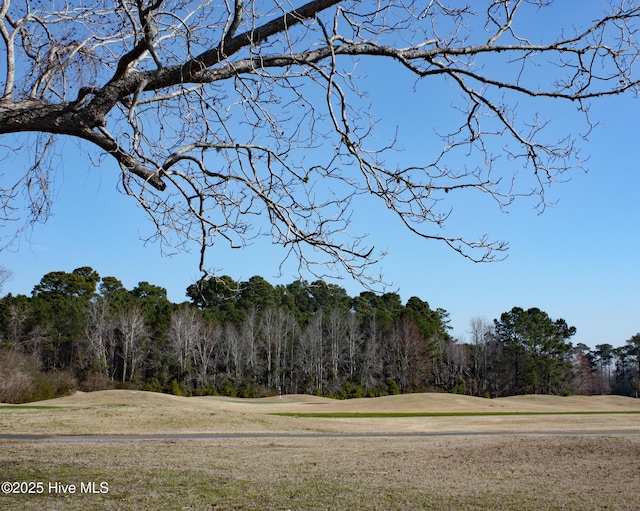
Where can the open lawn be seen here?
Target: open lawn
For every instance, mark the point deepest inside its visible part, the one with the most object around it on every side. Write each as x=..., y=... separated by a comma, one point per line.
x=537, y=462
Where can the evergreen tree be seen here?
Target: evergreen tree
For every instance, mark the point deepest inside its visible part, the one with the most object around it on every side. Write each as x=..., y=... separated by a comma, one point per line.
x=537, y=349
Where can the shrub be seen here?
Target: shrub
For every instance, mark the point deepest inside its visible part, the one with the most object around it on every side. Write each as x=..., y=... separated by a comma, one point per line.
x=460, y=388
x=247, y=389
x=96, y=381
x=377, y=392
x=350, y=390
x=394, y=390
x=176, y=389
x=52, y=384
x=16, y=382
x=153, y=385
x=227, y=389
x=21, y=381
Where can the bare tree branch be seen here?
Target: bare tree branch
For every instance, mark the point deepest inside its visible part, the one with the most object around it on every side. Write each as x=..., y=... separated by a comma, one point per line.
x=234, y=121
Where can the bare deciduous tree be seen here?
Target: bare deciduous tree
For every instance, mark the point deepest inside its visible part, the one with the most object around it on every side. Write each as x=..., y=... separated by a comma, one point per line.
x=248, y=335
x=372, y=366
x=218, y=113
x=185, y=327
x=131, y=328
x=481, y=336
x=236, y=352
x=354, y=342
x=335, y=328
x=5, y=275
x=310, y=356
x=277, y=327
x=204, y=348
x=16, y=316
x=405, y=353
x=99, y=336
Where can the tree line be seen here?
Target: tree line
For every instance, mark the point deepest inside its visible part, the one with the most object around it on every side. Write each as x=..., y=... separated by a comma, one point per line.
x=250, y=338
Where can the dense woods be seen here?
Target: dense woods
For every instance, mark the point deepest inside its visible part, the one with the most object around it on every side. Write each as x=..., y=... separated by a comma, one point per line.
x=232, y=121
x=81, y=331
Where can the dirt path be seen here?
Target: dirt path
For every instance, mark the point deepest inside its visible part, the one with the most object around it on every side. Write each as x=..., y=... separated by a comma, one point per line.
x=277, y=436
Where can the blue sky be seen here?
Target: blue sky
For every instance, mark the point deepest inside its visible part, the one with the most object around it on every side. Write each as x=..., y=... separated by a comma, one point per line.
x=578, y=260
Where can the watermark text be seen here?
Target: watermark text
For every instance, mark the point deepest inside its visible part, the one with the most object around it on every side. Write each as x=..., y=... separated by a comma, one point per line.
x=53, y=487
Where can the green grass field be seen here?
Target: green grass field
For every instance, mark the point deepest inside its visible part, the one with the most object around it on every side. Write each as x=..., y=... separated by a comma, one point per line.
x=392, y=415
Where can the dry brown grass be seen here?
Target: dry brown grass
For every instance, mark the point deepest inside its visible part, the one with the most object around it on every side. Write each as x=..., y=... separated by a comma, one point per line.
x=507, y=472
x=131, y=412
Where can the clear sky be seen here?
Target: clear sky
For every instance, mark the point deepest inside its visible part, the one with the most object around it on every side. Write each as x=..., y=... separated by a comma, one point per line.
x=578, y=261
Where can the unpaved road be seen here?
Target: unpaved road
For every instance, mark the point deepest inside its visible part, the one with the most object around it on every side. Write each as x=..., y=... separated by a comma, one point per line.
x=275, y=436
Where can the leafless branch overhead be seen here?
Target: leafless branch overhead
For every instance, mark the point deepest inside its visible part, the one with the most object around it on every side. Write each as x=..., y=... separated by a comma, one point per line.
x=235, y=119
